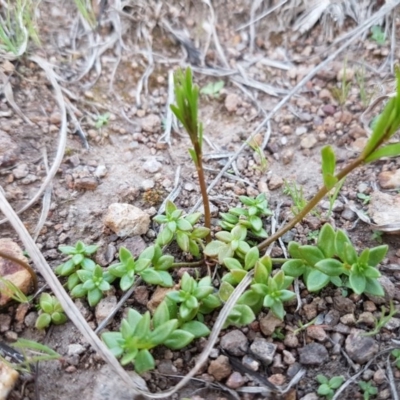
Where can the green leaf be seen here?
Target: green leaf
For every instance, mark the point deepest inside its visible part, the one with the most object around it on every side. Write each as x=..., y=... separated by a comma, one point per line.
x=126, y=282
x=251, y=258
x=201, y=292
x=316, y=280
x=161, y=314
x=232, y=263
x=193, y=218
x=162, y=332
x=358, y=282
x=261, y=273
x=343, y=248
x=165, y=236
x=112, y=341
x=322, y=379
x=179, y=339
x=43, y=321
x=328, y=166
x=277, y=309
x=200, y=232
x=311, y=254
x=196, y=328
x=124, y=254
x=69, y=250
x=294, y=268
x=88, y=264
x=224, y=252
x=293, y=248
x=144, y=361
x=59, y=318
x=170, y=207
x=286, y=295
x=241, y=315
x=183, y=240
x=151, y=276
x=46, y=303
x=239, y=232
x=252, y=299
x=260, y=289
x=324, y=390
x=225, y=290
x=212, y=248
x=184, y=225
x=143, y=326
x=326, y=240
x=336, y=382
x=67, y=268
x=390, y=150
x=377, y=254
x=94, y=296
x=78, y=291
x=373, y=287
x=330, y=267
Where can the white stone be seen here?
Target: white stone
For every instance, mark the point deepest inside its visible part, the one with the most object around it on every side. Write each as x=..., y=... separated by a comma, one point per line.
x=126, y=220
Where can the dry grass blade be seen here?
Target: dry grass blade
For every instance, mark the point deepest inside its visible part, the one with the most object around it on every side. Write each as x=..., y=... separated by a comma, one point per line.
x=254, y=7
x=395, y=393
x=166, y=136
x=63, y=133
x=8, y=93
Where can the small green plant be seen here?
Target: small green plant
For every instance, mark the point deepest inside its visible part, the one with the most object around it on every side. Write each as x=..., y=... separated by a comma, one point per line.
x=181, y=228
x=396, y=355
x=194, y=297
x=377, y=235
x=383, y=320
x=302, y=327
x=213, y=88
x=94, y=282
x=365, y=95
x=261, y=156
x=278, y=334
x=9, y=289
x=369, y=389
x=136, y=338
x=248, y=216
x=86, y=10
x=79, y=256
x=312, y=236
x=365, y=198
x=102, y=120
x=50, y=311
x=378, y=35
x=17, y=26
x=296, y=193
x=327, y=386
x=341, y=93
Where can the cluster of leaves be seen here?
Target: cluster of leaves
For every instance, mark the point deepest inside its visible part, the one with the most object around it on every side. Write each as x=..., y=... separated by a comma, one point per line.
x=368, y=389
x=327, y=386
x=50, y=311
x=396, y=354
x=248, y=216
x=179, y=227
x=334, y=258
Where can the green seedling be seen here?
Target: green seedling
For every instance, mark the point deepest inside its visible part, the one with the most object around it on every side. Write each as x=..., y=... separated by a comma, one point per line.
x=261, y=156
x=383, y=320
x=50, y=311
x=9, y=289
x=213, y=88
x=31, y=353
x=378, y=35
x=396, y=355
x=94, y=283
x=128, y=268
x=365, y=198
x=79, y=257
x=318, y=267
x=327, y=386
x=302, y=327
x=278, y=334
x=86, y=11
x=365, y=95
x=341, y=93
x=181, y=228
x=186, y=111
x=228, y=244
x=296, y=193
x=135, y=338
x=369, y=389
x=194, y=297
x=102, y=120
x=333, y=194
x=377, y=235
x=17, y=26
x=312, y=236
x=248, y=216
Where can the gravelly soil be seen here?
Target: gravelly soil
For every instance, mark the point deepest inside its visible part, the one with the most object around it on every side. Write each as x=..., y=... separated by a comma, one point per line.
x=113, y=169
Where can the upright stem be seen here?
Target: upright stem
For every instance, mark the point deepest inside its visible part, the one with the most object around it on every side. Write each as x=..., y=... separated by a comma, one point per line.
x=203, y=189
x=310, y=205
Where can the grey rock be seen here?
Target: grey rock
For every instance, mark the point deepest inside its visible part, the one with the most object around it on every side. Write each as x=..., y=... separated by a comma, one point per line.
x=126, y=220
x=5, y=322
x=241, y=163
x=360, y=348
x=269, y=323
x=393, y=324
x=313, y=354
x=75, y=349
x=189, y=186
x=235, y=380
x=293, y=370
x=348, y=214
x=344, y=305
x=104, y=308
x=300, y=130
x=275, y=182
x=288, y=357
x=30, y=178
x=263, y=350
x=366, y=318
x=310, y=396
x=152, y=166
x=9, y=150
x=388, y=288
x=332, y=317
x=151, y=123
x=287, y=156
x=21, y=171
x=106, y=388
x=235, y=342
x=250, y=363
x=308, y=141
x=291, y=340
x=166, y=367
x=337, y=205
